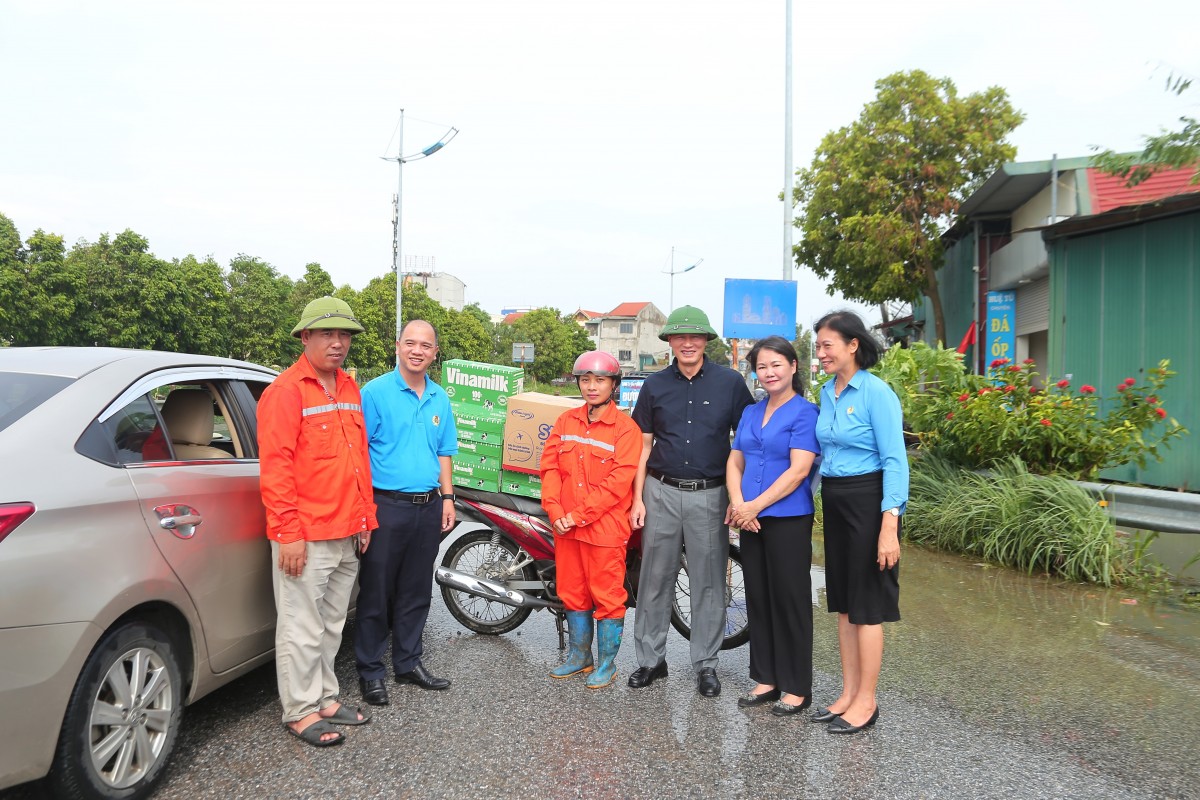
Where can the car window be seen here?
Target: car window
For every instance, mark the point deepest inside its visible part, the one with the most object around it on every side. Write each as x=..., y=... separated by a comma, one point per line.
x=20, y=393
x=196, y=421
x=136, y=434
x=192, y=421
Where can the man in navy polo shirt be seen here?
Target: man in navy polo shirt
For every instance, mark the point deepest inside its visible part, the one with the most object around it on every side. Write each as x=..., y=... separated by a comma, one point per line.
x=687, y=413
x=411, y=436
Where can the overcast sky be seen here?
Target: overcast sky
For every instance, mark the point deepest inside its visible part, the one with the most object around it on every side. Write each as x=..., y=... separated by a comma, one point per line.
x=595, y=136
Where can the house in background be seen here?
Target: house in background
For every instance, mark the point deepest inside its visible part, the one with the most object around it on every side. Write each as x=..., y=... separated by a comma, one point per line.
x=630, y=332
x=441, y=287
x=1106, y=281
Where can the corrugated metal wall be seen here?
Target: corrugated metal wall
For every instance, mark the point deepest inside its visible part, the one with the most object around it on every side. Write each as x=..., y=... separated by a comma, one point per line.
x=956, y=282
x=1120, y=300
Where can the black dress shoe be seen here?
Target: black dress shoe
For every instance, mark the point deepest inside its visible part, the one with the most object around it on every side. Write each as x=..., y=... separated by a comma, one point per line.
x=823, y=715
x=750, y=699
x=644, y=676
x=374, y=692
x=421, y=677
x=782, y=709
x=840, y=725
x=707, y=682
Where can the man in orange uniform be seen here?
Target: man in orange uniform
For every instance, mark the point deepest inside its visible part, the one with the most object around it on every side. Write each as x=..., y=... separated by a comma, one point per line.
x=588, y=467
x=316, y=487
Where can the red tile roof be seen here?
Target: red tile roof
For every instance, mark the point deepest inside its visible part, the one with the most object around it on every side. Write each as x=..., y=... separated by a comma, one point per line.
x=590, y=314
x=627, y=310
x=509, y=319
x=1109, y=192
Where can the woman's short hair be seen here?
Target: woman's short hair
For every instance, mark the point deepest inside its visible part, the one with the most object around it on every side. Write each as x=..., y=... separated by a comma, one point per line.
x=780, y=345
x=850, y=326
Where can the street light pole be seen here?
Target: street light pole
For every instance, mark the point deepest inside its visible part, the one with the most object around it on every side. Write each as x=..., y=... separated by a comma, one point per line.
x=672, y=272
x=787, y=146
x=401, y=160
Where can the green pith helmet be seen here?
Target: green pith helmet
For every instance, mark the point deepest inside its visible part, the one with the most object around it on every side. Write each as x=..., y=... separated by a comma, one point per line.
x=327, y=312
x=687, y=319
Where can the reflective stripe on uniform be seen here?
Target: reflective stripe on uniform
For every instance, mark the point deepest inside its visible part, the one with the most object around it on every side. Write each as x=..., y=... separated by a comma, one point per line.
x=569, y=437
x=331, y=407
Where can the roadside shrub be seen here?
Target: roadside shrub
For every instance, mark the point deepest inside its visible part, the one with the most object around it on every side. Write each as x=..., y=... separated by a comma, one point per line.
x=1009, y=516
x=1055, y=431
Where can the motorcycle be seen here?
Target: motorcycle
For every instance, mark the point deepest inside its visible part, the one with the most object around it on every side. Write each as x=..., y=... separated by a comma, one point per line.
x=493, y=578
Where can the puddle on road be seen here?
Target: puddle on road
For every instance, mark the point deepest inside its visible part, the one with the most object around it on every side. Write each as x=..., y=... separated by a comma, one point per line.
x=1109, y=669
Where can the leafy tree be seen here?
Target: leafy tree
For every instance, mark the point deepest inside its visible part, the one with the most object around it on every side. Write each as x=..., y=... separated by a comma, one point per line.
x=1166, y=150
x=464, y=336
x=260, y=325
x=315, y=283
x=880, y=191
x=557, y=342
x=370, y=354
x=804, y=348
x=718, y=352
x=127, y=296
x=50, y=299
x=205, y=323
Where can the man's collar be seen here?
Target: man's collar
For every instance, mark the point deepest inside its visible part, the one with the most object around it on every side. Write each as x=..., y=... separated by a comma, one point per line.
x=704, y=361
x=307, y=371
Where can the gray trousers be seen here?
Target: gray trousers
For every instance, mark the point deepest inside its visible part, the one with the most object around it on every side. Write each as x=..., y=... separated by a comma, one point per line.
x=308, y=633
x=677, y=519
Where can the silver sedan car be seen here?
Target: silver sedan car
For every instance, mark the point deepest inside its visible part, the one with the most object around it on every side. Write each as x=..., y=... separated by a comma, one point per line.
x=134, y=567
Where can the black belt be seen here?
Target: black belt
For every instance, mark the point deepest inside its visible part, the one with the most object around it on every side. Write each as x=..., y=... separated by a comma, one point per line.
x=417, y=498
x=687, y=484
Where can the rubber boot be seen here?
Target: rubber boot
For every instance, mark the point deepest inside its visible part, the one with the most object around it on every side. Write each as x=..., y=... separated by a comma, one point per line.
x=579, y=637
x=608, y=642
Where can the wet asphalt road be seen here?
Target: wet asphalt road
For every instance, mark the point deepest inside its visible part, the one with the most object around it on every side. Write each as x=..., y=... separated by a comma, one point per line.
x=995, y=686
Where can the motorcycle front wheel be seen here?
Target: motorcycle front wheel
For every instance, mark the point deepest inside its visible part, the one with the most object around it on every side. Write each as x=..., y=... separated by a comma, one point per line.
x=737, y=621
x=485, y=555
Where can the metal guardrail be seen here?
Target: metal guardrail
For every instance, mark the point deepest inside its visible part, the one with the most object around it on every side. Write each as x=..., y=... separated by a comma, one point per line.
x=1148, y=509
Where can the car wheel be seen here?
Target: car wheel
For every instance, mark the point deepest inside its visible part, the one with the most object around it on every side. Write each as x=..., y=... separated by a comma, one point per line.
x=122, y=718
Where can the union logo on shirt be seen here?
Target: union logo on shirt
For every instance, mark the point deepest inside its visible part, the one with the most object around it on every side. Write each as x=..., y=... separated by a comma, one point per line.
x=849, y=410
x=437, y=420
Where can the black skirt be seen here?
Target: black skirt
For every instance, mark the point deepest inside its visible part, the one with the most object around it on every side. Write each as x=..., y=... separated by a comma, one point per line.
x=854, y=584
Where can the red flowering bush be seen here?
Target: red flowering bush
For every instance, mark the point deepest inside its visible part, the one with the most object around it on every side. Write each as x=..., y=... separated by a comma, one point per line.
x=1053, y=431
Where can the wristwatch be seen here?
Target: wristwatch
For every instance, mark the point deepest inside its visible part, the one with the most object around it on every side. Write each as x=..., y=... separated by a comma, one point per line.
x=449, y=497
x=895, y=512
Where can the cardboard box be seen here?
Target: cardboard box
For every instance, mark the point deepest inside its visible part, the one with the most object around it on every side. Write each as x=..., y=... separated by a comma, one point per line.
x=473, y=460
x=490, y=411
x=475, y=477
x=471, y=418
x=481, y=384
x=521, y=484
x=494, y=438
x=491, y=449
x=530, y=417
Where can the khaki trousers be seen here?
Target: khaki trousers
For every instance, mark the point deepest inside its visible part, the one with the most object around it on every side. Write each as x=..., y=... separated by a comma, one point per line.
x=308, y=632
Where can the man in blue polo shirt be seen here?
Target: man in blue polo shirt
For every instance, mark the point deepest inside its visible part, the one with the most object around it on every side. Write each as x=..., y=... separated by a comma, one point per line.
x=411, y=435
x=687, y=413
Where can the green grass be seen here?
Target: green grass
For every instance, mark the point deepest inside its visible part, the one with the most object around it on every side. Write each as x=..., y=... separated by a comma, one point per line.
x=1008, y=516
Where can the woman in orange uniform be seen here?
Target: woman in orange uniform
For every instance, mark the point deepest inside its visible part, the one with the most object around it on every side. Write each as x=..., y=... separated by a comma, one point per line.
x=588, y=466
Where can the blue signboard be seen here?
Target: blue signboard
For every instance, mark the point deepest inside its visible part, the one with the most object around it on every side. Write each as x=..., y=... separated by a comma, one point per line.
x=630, y=389
x=1000, y=333
x=757, y=309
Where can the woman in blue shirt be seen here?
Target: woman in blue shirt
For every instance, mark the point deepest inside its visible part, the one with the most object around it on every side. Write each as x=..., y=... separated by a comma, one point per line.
x=864, y=487
x=770, y=500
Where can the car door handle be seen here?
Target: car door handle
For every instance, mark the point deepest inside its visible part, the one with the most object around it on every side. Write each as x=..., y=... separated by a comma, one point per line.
x=179, y=519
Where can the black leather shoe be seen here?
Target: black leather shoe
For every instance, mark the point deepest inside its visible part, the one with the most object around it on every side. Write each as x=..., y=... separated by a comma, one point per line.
x=823, y=715
x=644, y=676
x=421, y=677
x=750, y=699
x=374, y=692
x=840, y=725
x=707, y=682
x=782, y=709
